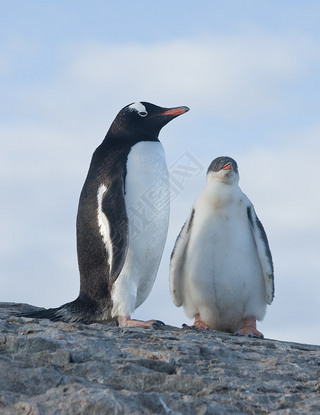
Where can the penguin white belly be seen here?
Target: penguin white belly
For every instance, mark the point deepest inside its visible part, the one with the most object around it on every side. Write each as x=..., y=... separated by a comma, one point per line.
x=223, y=276
x=147, y=204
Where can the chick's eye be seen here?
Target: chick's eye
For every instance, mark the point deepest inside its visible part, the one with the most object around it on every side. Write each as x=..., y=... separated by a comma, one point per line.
x=143, y=113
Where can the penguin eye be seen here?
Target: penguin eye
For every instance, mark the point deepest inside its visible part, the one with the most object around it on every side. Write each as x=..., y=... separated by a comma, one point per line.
x=143, y=113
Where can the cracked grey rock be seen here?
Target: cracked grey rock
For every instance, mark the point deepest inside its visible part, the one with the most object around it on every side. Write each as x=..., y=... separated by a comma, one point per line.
x=59, y=368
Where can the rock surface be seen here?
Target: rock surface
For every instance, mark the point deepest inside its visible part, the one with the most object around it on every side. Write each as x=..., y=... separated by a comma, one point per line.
x=59, y=368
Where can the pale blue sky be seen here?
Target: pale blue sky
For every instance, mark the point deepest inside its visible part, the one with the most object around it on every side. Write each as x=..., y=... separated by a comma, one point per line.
x=248, y=70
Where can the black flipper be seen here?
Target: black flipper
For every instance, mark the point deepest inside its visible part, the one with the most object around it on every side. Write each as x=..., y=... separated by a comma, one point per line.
x=114, y=209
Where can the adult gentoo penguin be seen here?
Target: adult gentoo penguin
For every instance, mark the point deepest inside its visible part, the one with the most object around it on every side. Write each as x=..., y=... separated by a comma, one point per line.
x=122, y=220
x=221, y=267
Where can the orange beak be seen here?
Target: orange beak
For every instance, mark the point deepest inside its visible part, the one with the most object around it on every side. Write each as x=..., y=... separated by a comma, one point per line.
x=227, y=166
x=175, y=111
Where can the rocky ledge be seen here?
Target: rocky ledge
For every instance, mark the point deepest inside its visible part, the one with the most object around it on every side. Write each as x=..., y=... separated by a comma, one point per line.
x=59, y=368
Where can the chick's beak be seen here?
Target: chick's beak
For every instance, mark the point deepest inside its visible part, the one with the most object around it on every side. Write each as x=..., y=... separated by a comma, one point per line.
x=227, y=166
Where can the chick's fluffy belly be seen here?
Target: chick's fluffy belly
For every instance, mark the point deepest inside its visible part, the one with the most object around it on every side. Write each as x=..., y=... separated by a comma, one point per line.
x=224, y=280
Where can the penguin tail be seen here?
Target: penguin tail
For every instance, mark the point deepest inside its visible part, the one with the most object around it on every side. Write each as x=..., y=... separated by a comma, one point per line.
x=78, y=311
x=49, y=314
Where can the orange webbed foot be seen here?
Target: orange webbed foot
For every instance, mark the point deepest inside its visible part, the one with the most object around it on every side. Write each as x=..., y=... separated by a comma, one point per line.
x=198, y=325
x=150, y=324
x=249, y=329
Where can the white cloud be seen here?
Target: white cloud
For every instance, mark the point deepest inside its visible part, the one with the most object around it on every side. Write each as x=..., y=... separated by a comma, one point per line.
x=228, y=76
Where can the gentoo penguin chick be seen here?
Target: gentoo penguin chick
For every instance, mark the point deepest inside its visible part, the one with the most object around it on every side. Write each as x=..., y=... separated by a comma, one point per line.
x=122, y=220
x=221, y=267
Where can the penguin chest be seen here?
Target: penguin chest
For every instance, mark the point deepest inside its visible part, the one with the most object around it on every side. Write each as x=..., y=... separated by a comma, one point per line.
x=147, y=206
x=222, y=233
x=147, y=192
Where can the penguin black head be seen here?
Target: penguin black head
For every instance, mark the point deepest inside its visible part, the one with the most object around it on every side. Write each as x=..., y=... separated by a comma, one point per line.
x=223, y=169
x=142, y=121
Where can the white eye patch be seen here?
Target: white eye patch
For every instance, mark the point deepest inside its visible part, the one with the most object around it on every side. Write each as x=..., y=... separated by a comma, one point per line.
x=141, y=109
